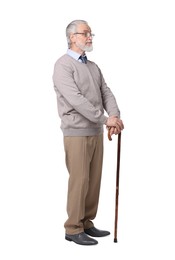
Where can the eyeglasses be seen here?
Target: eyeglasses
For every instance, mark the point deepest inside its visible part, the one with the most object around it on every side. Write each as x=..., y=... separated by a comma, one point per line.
x=86, y=34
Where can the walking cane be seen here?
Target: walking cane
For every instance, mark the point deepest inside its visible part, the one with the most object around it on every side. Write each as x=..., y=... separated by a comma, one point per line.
x=117, y=184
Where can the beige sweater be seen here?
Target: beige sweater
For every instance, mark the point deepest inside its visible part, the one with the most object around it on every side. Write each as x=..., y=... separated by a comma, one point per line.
x=82, y=97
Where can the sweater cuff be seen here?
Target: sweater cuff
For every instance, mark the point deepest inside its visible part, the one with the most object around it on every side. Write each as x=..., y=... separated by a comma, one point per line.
x=103, y=119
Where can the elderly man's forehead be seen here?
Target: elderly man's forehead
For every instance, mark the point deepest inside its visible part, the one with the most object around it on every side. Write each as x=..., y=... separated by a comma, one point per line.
x=83, y=27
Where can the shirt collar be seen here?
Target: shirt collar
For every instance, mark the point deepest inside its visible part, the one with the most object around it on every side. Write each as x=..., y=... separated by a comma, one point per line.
x=73, y=54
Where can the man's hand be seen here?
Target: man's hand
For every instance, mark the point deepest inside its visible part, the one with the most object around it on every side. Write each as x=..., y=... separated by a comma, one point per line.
x=115, y=125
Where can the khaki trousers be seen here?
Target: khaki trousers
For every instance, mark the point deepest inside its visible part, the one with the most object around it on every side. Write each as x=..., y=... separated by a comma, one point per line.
x=84, y=157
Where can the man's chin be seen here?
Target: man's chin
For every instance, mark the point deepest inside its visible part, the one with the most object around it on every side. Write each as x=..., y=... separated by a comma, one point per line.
x=88, y=48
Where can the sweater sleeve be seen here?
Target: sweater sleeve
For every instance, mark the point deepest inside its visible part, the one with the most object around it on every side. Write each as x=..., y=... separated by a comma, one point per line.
x=64, y=82
x=109, y=100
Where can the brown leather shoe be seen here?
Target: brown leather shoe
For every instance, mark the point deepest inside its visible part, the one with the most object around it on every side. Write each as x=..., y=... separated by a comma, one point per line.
x=81, y=239
x=94, y=232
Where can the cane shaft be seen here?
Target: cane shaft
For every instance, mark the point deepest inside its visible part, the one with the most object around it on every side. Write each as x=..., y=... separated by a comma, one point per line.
x=117, y=187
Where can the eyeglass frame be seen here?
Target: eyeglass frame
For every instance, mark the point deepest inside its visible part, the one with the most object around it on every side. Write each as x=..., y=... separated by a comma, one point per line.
x=86, y=34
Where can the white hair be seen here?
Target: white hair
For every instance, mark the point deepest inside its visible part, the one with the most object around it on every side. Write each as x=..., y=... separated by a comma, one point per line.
x=72, y=27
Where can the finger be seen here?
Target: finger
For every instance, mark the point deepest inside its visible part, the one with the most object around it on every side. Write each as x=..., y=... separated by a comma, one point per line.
x=112, y=131
x=115, y=131
x=120, y=125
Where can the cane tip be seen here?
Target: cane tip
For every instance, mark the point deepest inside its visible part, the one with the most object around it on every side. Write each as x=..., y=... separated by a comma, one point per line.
x=115, y=240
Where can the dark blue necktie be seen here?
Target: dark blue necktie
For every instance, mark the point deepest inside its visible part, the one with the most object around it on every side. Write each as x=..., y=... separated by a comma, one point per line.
x=83, y=58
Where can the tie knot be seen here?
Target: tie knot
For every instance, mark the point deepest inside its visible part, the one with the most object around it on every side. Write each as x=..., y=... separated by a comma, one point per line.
x=83, y=58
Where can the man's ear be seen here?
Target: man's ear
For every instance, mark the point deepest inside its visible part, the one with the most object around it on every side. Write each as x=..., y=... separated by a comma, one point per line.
x=72, y=38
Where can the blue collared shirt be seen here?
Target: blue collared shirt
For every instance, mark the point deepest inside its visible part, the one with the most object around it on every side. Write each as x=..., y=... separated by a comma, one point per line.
x=74, y=55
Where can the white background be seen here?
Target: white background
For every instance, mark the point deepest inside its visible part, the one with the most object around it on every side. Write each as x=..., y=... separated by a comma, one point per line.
x=134, y=47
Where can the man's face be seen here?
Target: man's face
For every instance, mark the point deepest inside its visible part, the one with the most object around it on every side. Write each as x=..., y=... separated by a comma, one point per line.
x=82, y=39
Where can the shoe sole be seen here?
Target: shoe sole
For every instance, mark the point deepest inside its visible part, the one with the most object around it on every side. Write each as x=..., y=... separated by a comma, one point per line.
x=71, y=240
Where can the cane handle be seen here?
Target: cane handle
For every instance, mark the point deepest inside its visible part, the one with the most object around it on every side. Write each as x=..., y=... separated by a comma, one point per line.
x=109, y=136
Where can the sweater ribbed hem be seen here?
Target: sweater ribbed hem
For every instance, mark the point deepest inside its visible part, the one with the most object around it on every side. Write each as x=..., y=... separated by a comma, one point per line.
x=82, y=132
